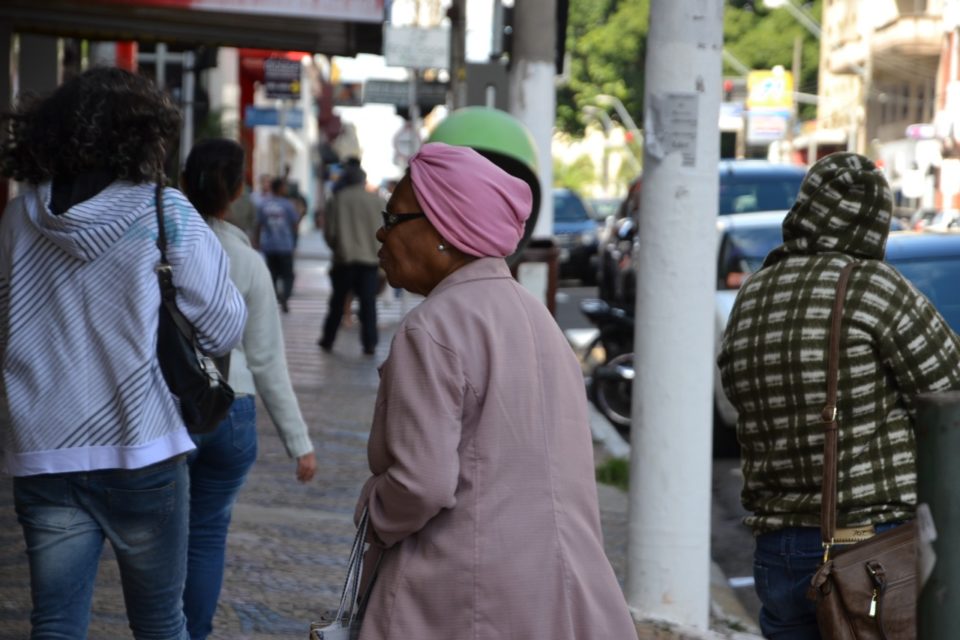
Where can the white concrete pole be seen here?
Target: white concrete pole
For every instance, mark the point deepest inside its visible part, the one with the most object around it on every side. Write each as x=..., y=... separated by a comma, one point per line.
x=532, y=92
x=669, y=532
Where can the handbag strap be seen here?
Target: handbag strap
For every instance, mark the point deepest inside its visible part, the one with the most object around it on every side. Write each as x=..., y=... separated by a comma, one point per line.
x=161, y=228
x=168, y=291
x=828, y=498
x=348, y=597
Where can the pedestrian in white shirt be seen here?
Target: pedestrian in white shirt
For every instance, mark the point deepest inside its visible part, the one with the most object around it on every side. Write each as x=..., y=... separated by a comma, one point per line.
x=212, y=179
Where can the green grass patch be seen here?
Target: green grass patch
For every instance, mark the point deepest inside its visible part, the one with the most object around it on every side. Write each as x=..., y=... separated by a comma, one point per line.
x=615, y=471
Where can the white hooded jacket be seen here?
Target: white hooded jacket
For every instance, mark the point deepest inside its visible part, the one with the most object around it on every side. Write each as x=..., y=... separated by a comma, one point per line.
x=80, y=385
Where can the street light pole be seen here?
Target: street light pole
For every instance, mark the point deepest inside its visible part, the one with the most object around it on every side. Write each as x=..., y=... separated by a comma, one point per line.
x=607, y=124
x=613, y=101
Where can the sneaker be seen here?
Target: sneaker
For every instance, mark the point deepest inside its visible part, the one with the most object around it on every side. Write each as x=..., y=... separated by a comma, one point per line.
x=284, y=307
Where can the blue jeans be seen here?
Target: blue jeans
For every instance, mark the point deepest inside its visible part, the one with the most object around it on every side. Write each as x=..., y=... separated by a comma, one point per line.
x=65, y=518
x=218, y=469
x=783, y=565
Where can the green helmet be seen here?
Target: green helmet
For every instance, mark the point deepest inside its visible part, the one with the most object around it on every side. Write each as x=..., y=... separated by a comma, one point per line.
x=503, y=140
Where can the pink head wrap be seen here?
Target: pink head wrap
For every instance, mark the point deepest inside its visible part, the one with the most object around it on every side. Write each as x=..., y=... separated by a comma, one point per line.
x=475, y=205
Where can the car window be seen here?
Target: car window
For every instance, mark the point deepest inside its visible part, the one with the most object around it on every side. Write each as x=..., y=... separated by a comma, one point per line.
x=568, y=208
x=742, y=252
x=761, y=193
x=937, y=279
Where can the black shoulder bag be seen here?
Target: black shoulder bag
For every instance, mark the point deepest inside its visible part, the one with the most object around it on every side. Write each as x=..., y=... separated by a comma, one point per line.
x=192, y=376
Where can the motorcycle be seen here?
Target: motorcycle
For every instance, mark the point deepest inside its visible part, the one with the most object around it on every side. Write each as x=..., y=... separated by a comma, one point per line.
x=610, y=381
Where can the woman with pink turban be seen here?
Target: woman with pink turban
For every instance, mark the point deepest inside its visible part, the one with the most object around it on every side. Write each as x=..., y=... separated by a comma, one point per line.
x=482, y=504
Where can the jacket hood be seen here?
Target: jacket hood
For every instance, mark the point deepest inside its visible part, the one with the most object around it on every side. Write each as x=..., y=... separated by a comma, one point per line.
x=87, y=229
x=844, y=206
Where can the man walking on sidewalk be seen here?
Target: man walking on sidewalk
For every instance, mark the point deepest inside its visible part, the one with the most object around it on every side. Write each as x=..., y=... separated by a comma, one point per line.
x=353, y=218
x=276, y=234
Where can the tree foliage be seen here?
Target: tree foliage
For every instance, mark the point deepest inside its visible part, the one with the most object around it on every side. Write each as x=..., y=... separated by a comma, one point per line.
x=578, y=175
x=607, y=41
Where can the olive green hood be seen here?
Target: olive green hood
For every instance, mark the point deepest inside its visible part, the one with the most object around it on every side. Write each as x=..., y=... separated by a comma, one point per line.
x=845, y=206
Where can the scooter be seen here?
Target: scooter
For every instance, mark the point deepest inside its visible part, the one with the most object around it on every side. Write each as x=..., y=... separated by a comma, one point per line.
x=610, y=382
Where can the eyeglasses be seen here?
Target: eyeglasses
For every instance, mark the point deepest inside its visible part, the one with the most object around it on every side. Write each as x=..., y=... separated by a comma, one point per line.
x=391, y=220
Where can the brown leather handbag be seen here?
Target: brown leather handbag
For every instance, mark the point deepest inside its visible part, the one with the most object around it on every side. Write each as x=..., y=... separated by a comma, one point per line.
x=867, y=590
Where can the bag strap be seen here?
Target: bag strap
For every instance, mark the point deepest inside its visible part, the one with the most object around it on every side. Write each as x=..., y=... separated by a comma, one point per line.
x=828, y=498
x=168, y=292
x=348, y=597
x=161, y=229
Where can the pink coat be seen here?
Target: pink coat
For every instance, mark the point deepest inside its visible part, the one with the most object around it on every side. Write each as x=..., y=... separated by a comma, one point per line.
x=483, y=485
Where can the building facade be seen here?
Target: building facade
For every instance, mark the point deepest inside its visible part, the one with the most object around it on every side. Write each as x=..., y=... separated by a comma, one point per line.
x=879, y=88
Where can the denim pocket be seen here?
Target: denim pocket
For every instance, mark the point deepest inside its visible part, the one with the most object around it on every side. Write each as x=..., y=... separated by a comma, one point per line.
x=139, y=513
x=45, y=502
x=243, y=425
x=141, y=503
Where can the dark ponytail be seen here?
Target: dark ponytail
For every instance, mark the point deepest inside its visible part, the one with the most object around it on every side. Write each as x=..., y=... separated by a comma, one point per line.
x=212, y=175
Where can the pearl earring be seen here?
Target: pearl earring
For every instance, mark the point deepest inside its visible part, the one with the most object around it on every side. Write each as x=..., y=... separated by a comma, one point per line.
x=442, y=247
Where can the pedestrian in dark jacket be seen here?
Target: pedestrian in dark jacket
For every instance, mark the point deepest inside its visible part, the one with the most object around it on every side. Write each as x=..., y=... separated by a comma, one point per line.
x=773, y=360
x=351, y=227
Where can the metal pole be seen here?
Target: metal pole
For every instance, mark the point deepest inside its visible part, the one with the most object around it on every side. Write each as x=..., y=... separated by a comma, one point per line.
x=938, y=440
x=282, y=121
x=161, y=64
x=795, y=72
x=668, y=553
x=458, y=55
x=414, y=112
x=186, y=135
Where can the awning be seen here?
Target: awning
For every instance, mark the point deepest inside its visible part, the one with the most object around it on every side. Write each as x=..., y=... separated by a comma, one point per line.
x=332, y=27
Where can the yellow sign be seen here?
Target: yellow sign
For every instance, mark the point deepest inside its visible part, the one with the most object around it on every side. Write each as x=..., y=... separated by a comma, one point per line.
x=770, y=90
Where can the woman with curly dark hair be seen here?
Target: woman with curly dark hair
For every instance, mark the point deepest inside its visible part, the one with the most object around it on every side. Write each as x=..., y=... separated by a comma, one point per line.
x=91, y=433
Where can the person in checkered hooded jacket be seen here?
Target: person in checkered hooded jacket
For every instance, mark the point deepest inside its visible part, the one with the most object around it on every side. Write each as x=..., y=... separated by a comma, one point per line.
x=773, y=361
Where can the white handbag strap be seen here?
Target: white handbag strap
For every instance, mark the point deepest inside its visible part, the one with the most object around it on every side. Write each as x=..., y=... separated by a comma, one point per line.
x=351, y=586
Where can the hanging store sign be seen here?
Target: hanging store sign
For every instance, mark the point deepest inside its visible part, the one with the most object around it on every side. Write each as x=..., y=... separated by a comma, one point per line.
x=770, y=90
x=766, y=126
x=349, y=10
x=397, y=93
x=281, y=78
x=416, y=47
x=270, y=117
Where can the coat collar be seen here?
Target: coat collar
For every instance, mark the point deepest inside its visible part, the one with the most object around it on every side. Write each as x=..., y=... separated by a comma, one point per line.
x=479, y=269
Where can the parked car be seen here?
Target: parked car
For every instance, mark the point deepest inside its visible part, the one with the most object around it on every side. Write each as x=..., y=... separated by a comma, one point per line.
x=603, y=208
x=929, y=259
x=743, y=241
x=575, y=232
x=745, y=187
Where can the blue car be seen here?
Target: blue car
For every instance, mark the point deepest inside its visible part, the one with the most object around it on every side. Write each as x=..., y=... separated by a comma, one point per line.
x=928, y=259
x=576, y=234
x=748, y=186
